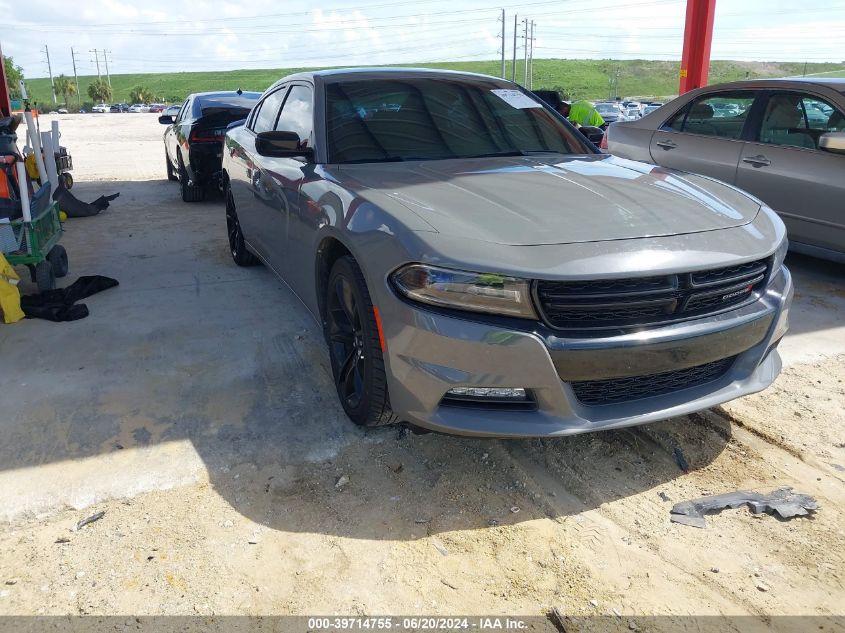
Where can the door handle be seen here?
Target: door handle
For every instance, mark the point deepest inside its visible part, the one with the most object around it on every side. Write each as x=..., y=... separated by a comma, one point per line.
x=666, y=144
x=757, y=161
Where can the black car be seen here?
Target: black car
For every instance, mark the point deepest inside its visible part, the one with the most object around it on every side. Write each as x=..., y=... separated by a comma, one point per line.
x=119, y=107
x=193, y=141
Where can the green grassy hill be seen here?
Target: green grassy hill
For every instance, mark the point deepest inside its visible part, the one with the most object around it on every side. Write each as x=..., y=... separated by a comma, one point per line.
x=578, y=78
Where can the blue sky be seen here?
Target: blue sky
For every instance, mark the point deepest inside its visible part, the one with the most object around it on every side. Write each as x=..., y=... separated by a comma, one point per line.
x=171, y=35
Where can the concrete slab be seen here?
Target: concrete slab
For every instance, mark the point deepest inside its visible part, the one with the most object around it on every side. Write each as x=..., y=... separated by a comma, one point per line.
x=191, y=365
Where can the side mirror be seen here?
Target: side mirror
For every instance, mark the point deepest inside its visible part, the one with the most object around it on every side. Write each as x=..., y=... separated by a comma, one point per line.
x=281, y=145
x=833, y=142
x=166, y=119
x=595, y=134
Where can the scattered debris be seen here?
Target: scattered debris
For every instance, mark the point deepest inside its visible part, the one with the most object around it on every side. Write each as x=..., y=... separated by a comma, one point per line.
x=422, y=521
x=440, y=547
x=681, y=459
x=62, y=539
x=633, y=626
x=761, y=586
x=13, y=581
x=515, y=509
x=838, y=467
x=448, y=584
x=228, y=523
x=616, y=613
x=663, y=496
x=396, y=466
x=715, y=570
x=80, y=574
x=783, y=502
x=341, y=482
x=594, y=602
x=557, y=619
x=94, y=517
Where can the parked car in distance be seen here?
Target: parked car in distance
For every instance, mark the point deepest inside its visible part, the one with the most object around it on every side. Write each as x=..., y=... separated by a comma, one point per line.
x=119, y=107
x=172, y=110
x=782, y=140
x=101, y=107
x=610, y=112
x=157, y=107
x=478, y=268
x=139, y=107
x=61, y=111
x=193, y=139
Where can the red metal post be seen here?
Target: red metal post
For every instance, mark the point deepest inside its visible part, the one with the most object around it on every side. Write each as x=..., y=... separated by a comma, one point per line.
x=698, y=35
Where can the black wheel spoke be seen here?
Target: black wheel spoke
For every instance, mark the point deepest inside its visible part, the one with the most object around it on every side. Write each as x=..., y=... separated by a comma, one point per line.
x=346, y=342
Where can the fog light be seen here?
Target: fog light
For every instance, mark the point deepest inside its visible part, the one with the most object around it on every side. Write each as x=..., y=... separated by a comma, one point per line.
x=516, y=393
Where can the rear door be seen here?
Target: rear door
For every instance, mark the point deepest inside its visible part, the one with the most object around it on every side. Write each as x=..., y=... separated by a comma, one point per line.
x=783, y=166
x=706, y=136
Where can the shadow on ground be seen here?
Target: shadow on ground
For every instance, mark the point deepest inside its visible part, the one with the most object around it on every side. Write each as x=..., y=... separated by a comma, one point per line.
x=191, y=347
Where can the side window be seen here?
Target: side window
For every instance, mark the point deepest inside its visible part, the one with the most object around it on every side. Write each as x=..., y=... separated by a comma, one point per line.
x=722, y=114
x=268, y=110
x=798, y=120
x=297, y=114
x=184, y=109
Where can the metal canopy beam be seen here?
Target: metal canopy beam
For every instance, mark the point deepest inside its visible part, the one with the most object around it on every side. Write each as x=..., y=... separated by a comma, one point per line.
x=698, y=35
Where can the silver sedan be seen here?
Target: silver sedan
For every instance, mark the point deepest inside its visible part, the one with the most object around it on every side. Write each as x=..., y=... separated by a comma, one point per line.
x=782, y=140
x=479, y=268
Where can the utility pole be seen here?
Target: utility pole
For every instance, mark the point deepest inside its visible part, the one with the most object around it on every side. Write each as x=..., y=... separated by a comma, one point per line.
x=513, y=68
x=106, y=59
x=525, y=51
x=503, y=43
x=531, y=59
x=97, y=61
x=76, y=77
x=50, y=72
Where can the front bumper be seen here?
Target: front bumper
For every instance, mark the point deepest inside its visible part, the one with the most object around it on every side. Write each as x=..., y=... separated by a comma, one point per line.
x=428, y=353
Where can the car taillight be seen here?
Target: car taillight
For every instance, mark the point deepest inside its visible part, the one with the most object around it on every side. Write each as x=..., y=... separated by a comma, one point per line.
x=199, y=136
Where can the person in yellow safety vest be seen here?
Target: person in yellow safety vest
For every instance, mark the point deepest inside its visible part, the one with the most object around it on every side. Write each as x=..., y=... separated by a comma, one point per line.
x=581, y=113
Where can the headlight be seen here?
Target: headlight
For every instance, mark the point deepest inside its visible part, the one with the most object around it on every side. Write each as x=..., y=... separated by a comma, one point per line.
x=779, y=256
x=479, y=292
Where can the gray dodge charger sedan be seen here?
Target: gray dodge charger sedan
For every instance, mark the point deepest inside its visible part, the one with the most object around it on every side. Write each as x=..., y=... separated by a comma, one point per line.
x=479, y=268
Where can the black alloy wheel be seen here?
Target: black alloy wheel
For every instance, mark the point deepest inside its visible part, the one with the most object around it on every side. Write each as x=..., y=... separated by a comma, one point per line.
x=237, y=246
x=355, y=347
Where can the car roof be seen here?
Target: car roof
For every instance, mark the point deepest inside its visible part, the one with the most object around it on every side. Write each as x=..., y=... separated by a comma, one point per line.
x=332, y=75
x=225, y=93
x=834, y=83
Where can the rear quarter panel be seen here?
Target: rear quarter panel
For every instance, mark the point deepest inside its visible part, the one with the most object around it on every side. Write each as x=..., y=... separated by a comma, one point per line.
x=629, y=141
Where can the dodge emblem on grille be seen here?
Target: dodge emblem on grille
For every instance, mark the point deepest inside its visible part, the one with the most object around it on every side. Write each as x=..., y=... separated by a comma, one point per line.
x=736, y=293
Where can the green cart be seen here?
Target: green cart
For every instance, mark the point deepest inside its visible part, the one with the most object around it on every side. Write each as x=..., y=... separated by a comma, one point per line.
x=35, y=245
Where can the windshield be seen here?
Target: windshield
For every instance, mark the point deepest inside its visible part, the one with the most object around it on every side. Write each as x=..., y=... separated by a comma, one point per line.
x=607, y=108
x=430, y=119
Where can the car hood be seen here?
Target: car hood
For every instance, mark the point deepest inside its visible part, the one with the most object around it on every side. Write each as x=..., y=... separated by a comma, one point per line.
x=551, y=199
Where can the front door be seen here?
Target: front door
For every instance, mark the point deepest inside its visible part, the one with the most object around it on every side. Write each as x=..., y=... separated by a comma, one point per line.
x=784, y=167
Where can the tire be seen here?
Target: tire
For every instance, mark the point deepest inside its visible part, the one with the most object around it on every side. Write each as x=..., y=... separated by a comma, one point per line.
x=58, y=260
x=190, y=193
x=45, y=278
x=67, y=179
x=237, y=246
x=354, y=347
x=171, y=175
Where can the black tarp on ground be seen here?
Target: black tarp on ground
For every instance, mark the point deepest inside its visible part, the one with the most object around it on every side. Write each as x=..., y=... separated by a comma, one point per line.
x=60, y=304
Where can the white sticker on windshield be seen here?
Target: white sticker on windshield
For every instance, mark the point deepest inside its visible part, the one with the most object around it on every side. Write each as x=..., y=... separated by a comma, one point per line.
x=515, y=98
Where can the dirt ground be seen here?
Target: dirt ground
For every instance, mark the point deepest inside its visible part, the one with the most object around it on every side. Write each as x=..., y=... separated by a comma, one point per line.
x=279, y=506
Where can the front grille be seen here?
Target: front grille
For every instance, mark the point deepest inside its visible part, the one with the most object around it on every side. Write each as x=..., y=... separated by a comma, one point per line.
x=616, y=390
x=640, y=301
